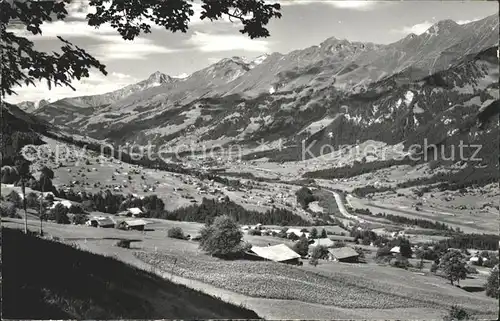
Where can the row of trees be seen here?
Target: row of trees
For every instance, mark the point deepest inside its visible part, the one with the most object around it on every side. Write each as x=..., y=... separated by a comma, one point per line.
x=209, y=209
x=407, y=220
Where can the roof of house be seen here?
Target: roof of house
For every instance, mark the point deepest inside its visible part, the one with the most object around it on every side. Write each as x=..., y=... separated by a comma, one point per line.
x=323, y=241
x=395, y=249
x=343, y=252
x=101, y=220
x=277, y=253
x=136, y=222
x=135, y=210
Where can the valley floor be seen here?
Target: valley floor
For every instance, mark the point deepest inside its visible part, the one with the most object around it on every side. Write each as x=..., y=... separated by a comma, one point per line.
x=330, y=290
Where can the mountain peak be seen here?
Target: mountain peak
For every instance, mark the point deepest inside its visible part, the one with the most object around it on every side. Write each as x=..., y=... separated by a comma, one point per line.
x=443, y=27
x=158, y=78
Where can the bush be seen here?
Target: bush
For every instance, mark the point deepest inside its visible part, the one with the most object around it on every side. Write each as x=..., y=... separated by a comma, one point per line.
x=254, y=232
x=492, y=283
x=176, y=233
x=457, y=313
x=8, y=209
x=434, y=267
x=400, y=262
x=223, y=238
x=123, y=243
x=79, y=219
x=313, y=261
x=292, y=236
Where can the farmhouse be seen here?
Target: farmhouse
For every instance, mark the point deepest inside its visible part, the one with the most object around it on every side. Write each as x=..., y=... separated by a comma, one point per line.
x=277, y=253
x=343, y=254
x=323, y=242
x=138, y=224
x=134, y=212
x=66, y=204
x=395, y=250
x=100, y=221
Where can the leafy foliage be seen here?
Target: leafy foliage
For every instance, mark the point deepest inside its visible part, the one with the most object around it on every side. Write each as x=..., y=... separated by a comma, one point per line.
x=223, y=238
x=8, y=209
x=304, y=197
x=457, y=313
x=176, y=233
x=452, y=264
x=301, y=246
x=59, y=214
x=492, y=285
x=22, y=64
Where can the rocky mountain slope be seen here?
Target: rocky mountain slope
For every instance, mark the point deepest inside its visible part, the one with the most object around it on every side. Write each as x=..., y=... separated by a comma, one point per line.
x=434, y=85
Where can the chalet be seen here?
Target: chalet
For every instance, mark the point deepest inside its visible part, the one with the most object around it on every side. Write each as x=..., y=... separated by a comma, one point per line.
x=326, y=242
x=138, y=224
x=277, y=253
x=100, y=221
x=395, y=250
x=65, y=203
x=343, y=254
x=134, y=212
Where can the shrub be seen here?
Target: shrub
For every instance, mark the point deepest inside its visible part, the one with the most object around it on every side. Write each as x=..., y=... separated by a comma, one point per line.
x=400, y=262
x=176, y=233
x=254, y=232
x=292, y=236
x=492, y=283
x=8, y=209
x=222, y=238
x=434, y=267
x=323, y=234
x=457, y=313
x=123, y=243
x=79, y=219
x=313, y=261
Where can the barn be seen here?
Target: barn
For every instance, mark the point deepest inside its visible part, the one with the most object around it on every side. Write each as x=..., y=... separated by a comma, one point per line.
x=277, y=253
x=343, y=254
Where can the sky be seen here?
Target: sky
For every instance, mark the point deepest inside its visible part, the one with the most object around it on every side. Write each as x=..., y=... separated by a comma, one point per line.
x=304, y=23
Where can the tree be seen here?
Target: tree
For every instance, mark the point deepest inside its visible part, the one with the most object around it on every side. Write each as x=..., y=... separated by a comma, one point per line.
x=405, y=248
x=304, y=197
x=9, y=175
x=32, y=200
x=301, y=246
x=15, y=198
x=319, y=252
x=21, y=63
x=314, y=233
x=492, y=284
x=45, y=180
x=59, y=214
x=324, y=235
x=8, y=209
x=452, y=264
x=222, y=238
x=23, y=169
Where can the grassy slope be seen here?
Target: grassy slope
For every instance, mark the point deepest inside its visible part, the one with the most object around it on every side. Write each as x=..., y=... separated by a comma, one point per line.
x=57, y=281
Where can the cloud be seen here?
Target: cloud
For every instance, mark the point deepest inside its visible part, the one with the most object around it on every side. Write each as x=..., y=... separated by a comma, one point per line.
x=116, y=48
x=97, y=83
x=226, y=42
x=463, y=22
x=417, y=29
x=340, y=4
x=181, y=76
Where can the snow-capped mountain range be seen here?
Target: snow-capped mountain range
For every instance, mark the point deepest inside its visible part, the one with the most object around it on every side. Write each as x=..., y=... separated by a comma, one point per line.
x=347, y=90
